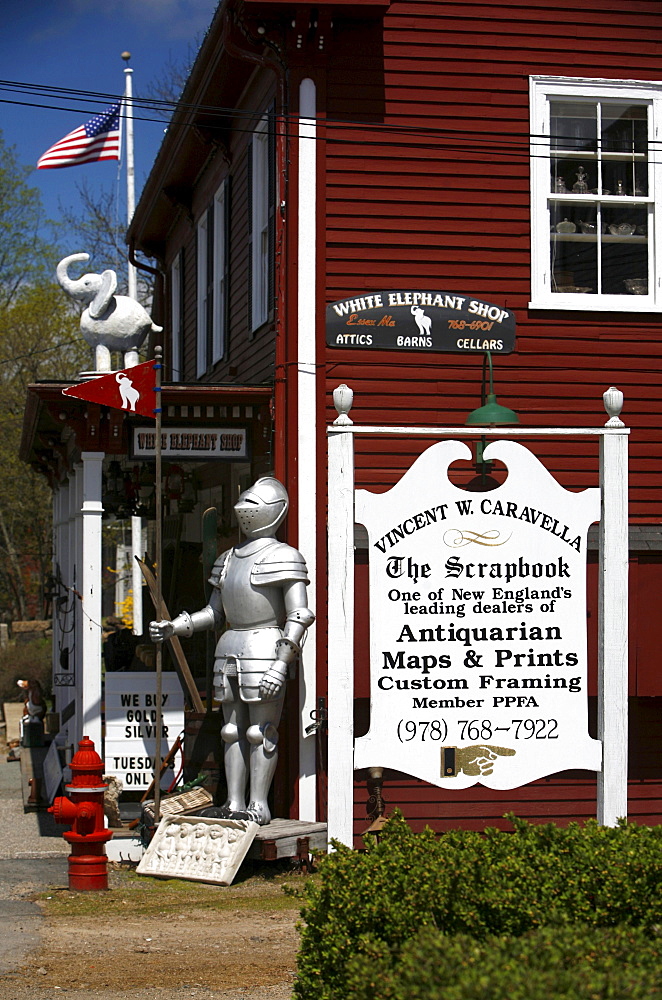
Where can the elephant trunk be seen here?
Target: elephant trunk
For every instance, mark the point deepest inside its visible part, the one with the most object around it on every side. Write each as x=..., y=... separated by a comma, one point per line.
x=62, y=275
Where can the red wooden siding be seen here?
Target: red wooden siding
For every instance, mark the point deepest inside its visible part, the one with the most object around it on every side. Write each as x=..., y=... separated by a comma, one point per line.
x=434, y=193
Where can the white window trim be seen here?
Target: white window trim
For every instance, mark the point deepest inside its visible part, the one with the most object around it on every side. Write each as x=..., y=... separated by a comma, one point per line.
x=260, y=225
x=201, y=297
x=219, y=332
x=541, y=90
x=175, y=318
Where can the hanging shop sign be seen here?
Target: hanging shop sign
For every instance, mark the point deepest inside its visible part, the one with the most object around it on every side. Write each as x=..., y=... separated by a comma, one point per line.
x=478, y=655
x=414, y=320
x=130, y=744
x=192, y=442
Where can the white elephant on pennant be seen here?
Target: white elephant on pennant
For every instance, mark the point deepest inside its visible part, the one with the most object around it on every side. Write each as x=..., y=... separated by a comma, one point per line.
x=109, y=322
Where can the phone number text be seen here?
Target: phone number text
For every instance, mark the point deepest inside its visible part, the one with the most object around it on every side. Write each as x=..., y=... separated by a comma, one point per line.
x=477, y=729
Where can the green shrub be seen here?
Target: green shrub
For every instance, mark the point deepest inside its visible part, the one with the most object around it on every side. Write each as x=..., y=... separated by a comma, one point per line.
x=477, y=884
x=564, y=963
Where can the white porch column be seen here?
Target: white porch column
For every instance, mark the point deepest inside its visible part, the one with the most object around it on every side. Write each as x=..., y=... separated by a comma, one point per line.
x=136, y=575
x=307, y=428
x=75, y=727
x=341, y=623
x=613, y=617
x=89, y=675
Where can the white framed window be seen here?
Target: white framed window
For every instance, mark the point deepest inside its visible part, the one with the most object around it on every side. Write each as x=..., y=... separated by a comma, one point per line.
x=262, y=184
x=595, y=195
x=220, y=273
x=176, y=318
x=203, y=297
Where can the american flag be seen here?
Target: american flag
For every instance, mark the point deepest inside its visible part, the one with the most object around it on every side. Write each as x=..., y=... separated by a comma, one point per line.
x=98, y=139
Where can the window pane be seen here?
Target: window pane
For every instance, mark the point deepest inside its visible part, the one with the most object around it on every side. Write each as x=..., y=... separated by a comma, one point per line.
x=625, y=177
x=573, y=126
x=574, y=248
x=624, y=250
x=571, y=177
x=624, y=128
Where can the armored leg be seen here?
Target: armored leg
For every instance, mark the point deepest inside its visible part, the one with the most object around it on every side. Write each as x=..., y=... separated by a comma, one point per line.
x=262, y=735
x=233, y=734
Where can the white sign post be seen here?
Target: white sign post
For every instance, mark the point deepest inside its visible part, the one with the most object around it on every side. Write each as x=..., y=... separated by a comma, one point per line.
x=478, y=619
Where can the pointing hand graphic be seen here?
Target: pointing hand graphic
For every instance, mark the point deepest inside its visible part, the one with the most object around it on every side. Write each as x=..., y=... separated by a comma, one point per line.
x=477, y=760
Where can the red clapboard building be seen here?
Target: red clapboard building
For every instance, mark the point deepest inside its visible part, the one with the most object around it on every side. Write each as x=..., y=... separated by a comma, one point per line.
x=506, y=152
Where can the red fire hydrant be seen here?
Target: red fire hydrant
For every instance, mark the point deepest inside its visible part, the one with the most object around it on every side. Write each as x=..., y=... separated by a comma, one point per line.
x=83, y=811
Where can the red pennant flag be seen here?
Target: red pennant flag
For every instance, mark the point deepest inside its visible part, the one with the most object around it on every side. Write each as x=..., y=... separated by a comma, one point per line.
x=132, y=389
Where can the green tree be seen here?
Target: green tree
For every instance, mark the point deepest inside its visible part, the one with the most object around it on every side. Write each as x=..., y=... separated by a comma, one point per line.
x=23, y=252
x=39, y=340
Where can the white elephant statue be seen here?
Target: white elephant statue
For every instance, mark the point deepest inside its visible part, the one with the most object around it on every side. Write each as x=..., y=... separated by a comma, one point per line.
x=109, y=322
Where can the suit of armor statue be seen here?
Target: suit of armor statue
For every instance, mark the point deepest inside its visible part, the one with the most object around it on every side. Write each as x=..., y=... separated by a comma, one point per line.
x=259, y=597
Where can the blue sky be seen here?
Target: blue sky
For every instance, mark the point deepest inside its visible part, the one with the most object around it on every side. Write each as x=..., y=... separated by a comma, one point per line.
x=77, y=44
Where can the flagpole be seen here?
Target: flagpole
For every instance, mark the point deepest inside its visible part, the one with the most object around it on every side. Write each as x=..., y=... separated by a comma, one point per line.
x=130, y=168
x=159, y=586
x=136, y=522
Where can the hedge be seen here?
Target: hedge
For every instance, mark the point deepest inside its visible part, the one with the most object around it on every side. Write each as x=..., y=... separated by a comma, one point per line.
x=573, y=962
x=494, y=883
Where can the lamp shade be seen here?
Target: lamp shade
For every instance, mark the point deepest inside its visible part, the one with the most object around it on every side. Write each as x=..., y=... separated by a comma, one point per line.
x=491, y=414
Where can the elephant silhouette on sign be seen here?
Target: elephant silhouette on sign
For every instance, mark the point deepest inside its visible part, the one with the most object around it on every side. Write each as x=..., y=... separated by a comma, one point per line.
x=109, y=322
x=128, y=391
x=423, y=322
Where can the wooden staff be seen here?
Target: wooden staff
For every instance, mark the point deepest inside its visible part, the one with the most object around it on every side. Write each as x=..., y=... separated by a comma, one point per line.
x=174, y=641
x=165, y=764
x=159, y=579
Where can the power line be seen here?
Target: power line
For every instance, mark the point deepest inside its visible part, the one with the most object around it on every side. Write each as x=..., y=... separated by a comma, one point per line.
x=512, y=142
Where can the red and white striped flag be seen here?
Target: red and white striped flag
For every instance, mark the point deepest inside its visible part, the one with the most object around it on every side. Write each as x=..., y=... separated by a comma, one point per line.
x=98, y=139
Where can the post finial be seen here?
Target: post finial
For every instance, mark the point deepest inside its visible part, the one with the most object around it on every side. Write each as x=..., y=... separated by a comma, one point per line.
x=343, y=397
x=613, y=403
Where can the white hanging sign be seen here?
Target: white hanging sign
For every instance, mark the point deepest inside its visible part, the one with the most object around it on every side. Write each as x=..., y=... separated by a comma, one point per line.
x=192, y=442
x=478, y=659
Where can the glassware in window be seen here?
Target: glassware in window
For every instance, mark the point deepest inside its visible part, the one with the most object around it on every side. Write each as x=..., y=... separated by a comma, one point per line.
x=580, y=186
x=622, y=229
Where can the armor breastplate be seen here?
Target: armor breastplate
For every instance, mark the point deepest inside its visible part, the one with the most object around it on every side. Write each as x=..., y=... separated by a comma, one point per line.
x=245, y=605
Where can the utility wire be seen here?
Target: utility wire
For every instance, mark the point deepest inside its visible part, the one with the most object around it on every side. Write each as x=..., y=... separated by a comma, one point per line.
x=499, y=149
x=518, y=143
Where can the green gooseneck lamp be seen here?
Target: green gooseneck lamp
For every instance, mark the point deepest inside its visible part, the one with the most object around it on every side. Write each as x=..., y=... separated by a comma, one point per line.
x=490, y=413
